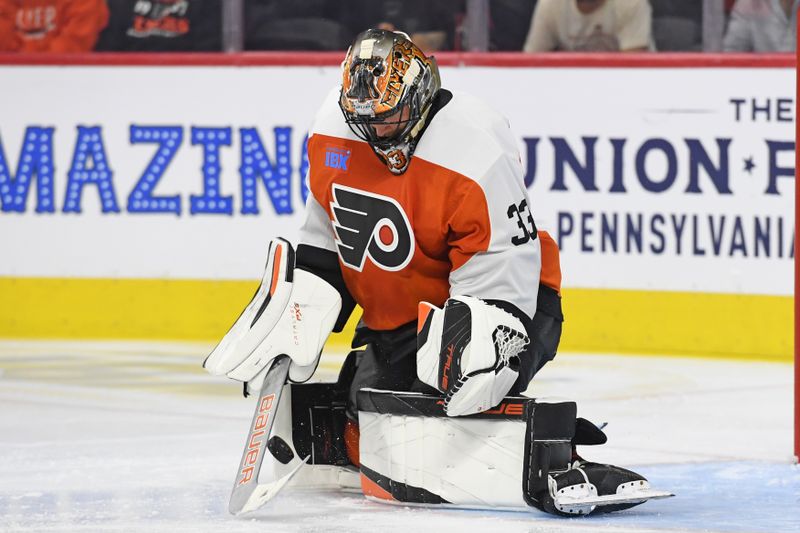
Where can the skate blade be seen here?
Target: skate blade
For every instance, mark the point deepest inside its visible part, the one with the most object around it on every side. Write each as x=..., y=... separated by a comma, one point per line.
x=586, y=502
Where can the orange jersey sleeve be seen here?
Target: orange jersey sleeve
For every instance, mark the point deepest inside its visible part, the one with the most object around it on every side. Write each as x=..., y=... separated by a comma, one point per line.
x=506, y=265
x=551, y=262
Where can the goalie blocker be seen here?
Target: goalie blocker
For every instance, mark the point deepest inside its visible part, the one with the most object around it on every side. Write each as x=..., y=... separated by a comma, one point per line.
x=516, y=456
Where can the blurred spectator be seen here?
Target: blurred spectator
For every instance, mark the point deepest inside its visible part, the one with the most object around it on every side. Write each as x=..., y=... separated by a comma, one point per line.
x=762, y=26
x=509, y=23
x=332, y=24
x=431, y=24
x=51, y=25
x=301, y=25
x=677, y=25
x=163, y=26
x=590, y=26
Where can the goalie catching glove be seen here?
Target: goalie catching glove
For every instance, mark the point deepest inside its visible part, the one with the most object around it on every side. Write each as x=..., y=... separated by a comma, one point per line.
x=470, y=352
x=292, y=313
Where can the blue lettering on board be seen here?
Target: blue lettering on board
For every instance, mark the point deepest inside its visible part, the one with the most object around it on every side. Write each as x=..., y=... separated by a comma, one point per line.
x=257, y=164
x=90, y=167
x=141, y=199
x=35, y=160
x=211, y=201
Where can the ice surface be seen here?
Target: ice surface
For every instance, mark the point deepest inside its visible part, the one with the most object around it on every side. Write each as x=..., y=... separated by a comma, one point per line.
x=121, y=436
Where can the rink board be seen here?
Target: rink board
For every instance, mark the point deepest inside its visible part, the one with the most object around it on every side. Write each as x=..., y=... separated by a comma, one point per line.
x=139, y=212
x=604, y=320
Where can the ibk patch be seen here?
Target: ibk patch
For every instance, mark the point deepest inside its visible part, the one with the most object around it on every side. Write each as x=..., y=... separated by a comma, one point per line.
x=337, y=158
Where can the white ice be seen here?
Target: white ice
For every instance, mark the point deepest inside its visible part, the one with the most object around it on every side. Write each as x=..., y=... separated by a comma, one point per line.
x=123, y=436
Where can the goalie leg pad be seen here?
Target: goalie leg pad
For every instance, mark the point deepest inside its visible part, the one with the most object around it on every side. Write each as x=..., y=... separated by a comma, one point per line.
x=417, y=454
x=516, y=456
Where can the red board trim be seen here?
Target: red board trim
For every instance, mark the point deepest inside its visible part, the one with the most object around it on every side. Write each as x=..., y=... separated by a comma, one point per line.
x=468, y=59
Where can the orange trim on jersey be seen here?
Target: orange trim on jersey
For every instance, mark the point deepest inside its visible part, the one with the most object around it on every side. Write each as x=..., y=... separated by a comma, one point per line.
x=370, y=488
x=276, y=269
x=551, y=264
x=471, y=217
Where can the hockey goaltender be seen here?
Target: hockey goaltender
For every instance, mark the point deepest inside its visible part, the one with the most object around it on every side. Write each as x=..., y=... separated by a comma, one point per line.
x=417, y=213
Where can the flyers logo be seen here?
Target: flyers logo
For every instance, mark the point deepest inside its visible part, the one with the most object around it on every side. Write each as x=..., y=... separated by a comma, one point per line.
x=370, y=225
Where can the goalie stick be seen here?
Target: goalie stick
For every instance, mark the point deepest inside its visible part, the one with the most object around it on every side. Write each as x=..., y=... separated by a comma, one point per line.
x=249, y=492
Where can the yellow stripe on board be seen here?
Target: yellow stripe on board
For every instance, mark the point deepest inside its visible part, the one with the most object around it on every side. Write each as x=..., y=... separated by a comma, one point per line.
x=681, y=323
x=726, y=325
x=78, y=308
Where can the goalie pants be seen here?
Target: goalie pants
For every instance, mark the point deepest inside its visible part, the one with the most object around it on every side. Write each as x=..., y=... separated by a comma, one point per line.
x=389, y=360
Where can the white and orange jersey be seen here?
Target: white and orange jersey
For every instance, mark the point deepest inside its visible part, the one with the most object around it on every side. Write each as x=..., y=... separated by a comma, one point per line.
x=457, y=222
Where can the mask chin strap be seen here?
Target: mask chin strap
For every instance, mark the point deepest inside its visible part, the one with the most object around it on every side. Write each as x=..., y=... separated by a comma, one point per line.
x=398, y=156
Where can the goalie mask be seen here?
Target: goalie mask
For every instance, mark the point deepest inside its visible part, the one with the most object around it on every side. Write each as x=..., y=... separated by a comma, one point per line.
x=388, y=86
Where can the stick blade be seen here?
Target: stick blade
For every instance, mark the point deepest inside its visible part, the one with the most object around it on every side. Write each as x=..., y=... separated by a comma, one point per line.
x=246, y=490
x=262, y=493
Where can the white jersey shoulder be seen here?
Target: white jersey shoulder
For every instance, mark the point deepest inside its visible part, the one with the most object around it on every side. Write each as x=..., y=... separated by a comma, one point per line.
x=329, y=119
x=467, y=136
